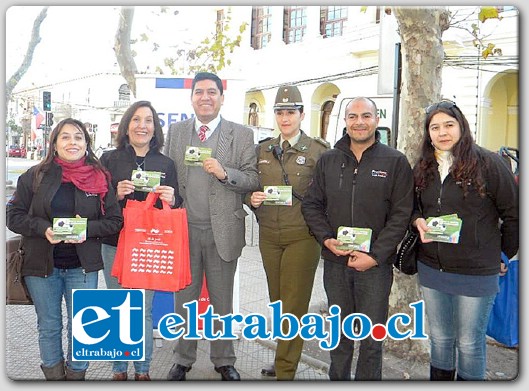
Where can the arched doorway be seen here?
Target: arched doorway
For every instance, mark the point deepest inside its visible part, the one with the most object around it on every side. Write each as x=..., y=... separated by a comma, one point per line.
x=498, y=125
x=326, y=110
x=253, y=115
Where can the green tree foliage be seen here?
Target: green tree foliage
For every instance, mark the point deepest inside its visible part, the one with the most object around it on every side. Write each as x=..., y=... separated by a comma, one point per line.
x=212, y=54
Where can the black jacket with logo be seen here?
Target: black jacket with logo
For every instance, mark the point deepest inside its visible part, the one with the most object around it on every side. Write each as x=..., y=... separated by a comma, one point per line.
x=38, y=251
x=375, y=193
x=482, y=237
x=121, y=162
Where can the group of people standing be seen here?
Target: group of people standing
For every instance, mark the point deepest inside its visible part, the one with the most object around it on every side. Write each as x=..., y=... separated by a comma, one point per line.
x=359, y=183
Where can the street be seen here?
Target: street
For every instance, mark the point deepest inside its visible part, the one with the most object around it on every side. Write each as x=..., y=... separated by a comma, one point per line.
x=15, y=166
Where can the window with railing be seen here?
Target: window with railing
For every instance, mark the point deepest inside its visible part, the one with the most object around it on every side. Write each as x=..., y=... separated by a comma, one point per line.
x=261, y=27
x=124, y=92
x=294, y=24
x=332, y=19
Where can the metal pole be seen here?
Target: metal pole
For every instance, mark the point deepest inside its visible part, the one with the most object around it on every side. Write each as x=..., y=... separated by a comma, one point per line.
x=396, y=95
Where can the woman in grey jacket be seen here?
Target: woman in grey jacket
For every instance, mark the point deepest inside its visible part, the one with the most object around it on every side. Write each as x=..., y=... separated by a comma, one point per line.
x=459, y=281
x=69, y=182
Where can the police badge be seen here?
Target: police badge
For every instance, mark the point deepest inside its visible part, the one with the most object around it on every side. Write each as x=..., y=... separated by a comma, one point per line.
x=300, y=160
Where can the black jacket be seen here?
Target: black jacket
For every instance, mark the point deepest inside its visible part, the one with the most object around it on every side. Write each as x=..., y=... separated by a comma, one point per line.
x=482, y=238
x=375, y=193
x=121, y=162
x=38, y=258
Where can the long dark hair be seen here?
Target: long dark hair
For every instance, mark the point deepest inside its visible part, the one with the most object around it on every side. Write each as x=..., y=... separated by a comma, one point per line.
x=90, y=159
x=467, y=169
x=122, y=139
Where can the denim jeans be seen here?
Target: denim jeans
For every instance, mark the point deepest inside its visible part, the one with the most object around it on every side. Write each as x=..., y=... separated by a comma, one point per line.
x=457, y=328
x=358, y=292
x=140, y=367
x=47, y=294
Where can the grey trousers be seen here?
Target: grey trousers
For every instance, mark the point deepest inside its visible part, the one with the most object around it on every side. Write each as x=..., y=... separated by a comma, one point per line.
x=220, y=274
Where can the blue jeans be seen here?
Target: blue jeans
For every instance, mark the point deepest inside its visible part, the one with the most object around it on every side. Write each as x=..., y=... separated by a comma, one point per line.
x=457, y=328
x=140, y=367
x=358, y=292
x=47, y=294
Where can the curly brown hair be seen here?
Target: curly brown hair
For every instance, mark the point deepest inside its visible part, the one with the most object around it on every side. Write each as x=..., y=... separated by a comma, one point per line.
x=468, y=167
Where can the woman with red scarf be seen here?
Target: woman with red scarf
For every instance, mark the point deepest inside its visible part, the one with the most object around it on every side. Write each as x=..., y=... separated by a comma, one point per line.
x=69, y=182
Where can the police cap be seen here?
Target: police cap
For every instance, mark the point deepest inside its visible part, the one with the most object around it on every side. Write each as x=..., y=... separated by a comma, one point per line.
x=288, y=97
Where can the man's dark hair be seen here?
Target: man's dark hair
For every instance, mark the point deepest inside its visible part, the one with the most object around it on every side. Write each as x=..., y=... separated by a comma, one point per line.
x=207, y=76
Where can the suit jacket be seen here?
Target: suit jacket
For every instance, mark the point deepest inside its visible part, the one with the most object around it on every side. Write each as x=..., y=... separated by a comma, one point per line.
x=236, y=153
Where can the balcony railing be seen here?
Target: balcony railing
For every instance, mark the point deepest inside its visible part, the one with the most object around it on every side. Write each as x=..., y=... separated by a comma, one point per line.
x=121, y=103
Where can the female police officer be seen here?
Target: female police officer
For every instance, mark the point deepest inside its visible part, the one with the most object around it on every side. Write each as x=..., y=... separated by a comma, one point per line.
x=290, y=253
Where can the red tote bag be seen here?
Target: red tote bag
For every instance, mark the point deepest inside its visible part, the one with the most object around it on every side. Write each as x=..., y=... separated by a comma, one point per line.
x=153, y=247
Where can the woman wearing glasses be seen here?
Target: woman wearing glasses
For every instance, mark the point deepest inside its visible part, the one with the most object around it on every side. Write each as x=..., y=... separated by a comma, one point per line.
x=459, y=280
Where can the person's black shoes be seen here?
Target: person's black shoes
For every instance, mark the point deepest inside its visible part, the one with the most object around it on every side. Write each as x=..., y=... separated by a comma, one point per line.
x=228, y=372
x=178, y=372
x=270, y=370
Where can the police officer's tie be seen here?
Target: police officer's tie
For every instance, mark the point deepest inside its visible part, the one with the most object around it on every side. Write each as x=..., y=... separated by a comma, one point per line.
x=285, y=145
x=202, y=133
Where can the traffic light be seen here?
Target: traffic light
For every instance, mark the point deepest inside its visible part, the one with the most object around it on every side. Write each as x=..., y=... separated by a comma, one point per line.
x=46, y=100
x=49, y=119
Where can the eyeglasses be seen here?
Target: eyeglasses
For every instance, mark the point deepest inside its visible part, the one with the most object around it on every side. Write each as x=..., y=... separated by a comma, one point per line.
x=444, y=104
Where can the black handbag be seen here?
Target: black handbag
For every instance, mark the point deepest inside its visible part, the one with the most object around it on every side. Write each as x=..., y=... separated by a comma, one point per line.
x=406, y=259
x=16, y=290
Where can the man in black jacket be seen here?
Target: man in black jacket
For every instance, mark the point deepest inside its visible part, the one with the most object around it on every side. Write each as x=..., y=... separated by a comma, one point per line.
x=360, y=184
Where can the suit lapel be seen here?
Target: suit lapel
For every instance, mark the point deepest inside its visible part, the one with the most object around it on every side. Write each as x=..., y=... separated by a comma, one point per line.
x=183, y=140
x=225, y=141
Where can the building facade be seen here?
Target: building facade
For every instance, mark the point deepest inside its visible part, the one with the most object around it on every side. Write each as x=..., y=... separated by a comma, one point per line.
x=337, y=52
x=331, y=53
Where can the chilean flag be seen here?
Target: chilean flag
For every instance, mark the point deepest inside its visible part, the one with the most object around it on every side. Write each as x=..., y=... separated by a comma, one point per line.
x=38, y=120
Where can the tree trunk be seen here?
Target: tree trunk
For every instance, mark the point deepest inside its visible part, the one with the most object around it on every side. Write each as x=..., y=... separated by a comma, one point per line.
x=420, y=30
x=28, y=58
x=126, y=62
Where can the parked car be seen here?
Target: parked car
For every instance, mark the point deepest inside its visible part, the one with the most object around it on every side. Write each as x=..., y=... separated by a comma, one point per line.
x=16, y=151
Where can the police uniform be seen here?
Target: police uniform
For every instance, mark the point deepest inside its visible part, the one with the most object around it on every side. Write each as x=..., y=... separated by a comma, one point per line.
x=290, y=253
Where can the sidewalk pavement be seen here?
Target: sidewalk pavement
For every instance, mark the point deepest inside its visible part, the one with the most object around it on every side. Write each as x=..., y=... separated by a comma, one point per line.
x=23, y=363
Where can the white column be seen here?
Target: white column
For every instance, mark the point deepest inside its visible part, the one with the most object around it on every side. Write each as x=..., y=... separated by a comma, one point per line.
x=313, y=23
x=277, y=25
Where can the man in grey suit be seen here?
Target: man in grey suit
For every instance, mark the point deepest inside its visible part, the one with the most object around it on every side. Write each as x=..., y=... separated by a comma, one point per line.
x=213, y=194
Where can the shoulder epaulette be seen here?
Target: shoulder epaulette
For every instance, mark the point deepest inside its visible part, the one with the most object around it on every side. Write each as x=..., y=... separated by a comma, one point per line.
x=326, y=144
x=266, y=139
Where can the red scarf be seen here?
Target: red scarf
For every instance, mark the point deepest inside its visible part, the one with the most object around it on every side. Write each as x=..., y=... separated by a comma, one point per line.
x=85, y=177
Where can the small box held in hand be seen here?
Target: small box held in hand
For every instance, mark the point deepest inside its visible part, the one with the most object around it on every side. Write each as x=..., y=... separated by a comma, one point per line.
x=278, y=195
x=354, y=238
x=195, y=156
x=445, y=229
x=69, y=228
x=146, y=180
